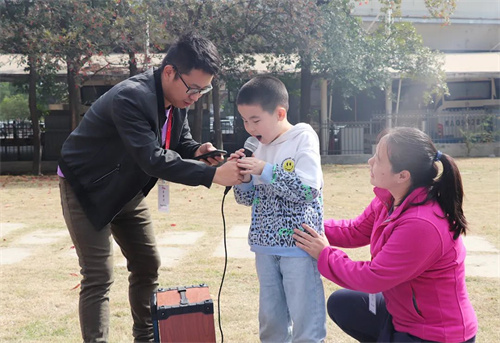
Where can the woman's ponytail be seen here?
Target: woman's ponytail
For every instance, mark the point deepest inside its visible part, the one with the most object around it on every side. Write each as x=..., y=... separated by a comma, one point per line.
x=448, y=191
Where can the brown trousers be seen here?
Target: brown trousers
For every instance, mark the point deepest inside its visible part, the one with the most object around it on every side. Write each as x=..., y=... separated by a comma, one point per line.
x=132, y=229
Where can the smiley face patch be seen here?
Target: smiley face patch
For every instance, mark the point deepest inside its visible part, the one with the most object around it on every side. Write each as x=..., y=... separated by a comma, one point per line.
x=288, y=165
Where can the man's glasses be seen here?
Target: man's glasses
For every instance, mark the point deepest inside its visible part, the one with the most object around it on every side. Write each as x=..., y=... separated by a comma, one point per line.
x=192, y=91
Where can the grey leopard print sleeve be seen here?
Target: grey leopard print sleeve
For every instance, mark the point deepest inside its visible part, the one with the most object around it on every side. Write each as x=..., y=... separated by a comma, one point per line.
x=280, y=206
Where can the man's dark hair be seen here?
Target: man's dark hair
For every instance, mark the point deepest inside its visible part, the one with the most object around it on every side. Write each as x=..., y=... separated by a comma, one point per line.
x=264, y=90
x=192, y=51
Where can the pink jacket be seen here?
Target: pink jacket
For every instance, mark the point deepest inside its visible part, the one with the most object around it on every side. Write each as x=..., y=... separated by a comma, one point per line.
x=415, y=263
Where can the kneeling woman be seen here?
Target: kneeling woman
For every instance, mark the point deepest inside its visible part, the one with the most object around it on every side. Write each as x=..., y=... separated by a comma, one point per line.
x=413, y=288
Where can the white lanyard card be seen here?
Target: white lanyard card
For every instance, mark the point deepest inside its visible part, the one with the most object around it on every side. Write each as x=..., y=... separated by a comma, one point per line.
x=163, y=196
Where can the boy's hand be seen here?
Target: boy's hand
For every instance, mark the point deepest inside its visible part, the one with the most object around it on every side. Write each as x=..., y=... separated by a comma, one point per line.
x=251, y=165
x=237, y=155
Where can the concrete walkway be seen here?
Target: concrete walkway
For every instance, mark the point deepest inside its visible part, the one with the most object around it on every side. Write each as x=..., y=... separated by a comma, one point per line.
x=483, y=259
x=172, y=247
x=237, y=243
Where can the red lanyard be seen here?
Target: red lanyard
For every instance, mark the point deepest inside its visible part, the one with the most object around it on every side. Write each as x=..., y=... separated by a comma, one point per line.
x=168, y=125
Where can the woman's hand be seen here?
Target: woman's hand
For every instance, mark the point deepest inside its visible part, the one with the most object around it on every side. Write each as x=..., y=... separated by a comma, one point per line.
x=310, y=241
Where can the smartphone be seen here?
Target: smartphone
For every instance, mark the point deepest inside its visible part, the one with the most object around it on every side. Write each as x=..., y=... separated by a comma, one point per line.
x=213, y=154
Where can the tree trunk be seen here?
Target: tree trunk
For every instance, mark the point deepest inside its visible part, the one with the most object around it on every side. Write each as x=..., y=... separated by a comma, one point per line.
x=132, y=63
x=217, y=124
x=305, y=89
x=197, y=121
x=73, y=96
x=37, y=146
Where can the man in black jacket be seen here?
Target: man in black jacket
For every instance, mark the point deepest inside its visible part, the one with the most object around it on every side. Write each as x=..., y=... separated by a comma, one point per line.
x=131, y=136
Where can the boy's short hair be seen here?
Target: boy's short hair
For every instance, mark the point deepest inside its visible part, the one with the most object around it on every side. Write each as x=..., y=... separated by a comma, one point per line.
x=264, y=90
x=192, y=51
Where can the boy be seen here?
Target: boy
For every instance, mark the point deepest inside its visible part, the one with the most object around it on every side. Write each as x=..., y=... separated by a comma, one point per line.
x=283, y=182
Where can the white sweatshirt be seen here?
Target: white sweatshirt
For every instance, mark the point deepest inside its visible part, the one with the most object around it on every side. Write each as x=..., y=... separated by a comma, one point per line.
x=286, y=194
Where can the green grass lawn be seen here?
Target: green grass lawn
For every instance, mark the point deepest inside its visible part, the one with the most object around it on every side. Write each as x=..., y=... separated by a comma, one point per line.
x=39, y=295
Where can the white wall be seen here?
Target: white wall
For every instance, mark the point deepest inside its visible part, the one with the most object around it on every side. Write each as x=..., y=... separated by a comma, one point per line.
x=474, y=25
x=466, y=9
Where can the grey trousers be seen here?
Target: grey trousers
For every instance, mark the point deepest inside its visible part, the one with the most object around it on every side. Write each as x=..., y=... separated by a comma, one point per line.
x=132, y=229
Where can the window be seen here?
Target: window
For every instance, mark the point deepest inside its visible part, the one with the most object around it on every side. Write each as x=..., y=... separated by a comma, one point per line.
x=89, y=94
x=474, y=90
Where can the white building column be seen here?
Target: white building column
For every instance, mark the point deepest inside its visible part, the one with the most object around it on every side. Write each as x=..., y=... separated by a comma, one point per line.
x=388, y=105
x=324, y=125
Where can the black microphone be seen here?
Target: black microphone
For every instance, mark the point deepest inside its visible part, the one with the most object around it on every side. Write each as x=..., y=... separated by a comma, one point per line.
x=249, y=147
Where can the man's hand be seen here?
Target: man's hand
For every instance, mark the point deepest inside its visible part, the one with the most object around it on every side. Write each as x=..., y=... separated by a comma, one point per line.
x=240, y=154
x=310, y=241
x=205, y=148
x=228, y=174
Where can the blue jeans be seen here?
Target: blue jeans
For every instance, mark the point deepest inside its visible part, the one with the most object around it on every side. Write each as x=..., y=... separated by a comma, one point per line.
x=291, y=299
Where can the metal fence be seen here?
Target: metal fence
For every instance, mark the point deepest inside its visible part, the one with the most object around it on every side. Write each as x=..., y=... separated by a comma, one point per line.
x=352, y=138
x=454, y=126
x=16, y=140
x=345, y=138
x=478, y=126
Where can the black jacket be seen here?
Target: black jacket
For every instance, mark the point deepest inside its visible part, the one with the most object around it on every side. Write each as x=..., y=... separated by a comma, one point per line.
x=115, y=152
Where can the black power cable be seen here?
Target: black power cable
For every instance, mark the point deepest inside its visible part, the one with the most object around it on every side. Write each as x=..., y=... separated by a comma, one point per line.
x=225, y=264
x=250, y=146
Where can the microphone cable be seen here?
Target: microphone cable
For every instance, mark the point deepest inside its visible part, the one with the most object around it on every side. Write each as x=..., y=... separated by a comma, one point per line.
x=225, y=263
x=250, y=146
